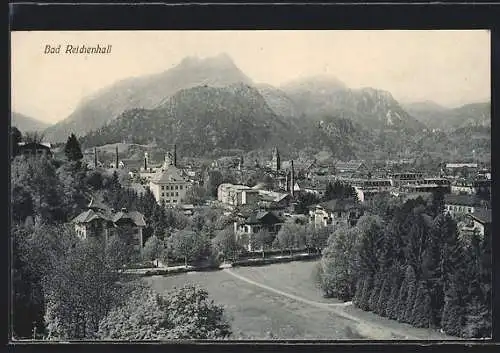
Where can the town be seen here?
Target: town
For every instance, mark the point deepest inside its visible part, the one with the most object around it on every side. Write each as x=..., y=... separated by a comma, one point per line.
x=213, y=193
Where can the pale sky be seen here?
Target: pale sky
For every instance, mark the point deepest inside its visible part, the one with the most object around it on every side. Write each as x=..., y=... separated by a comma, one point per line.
x=448, y=67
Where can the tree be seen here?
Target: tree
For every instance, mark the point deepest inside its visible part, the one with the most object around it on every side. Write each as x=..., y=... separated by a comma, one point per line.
x=225, y=244
x=422, y=311
x=337, y=268
x=15, y=138
x=118, y=252
x=317, y=238
x=153, y=249
x=184, y=313
x=188, y=245
x=28, y=304
x=72, y=149
x=196, y=195
x=80, y=291
x=286, y=237
x=262, y=241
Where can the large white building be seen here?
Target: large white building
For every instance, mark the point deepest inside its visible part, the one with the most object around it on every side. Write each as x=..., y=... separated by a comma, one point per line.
x=169, y=184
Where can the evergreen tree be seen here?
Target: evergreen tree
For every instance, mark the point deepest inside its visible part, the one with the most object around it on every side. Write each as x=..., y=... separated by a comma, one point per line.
x=15, y=138
x=384, y=296
x=72, y=149
x=453, y=312
x=375, y=293
x=403, y=293
x=412, y=294
x=391, y=310
x=422, y=311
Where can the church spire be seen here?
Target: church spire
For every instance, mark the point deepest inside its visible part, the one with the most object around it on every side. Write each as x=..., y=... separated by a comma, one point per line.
x=276, y=161
x=175, y=155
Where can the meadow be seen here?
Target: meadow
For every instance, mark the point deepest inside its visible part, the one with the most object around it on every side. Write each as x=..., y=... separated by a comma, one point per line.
x=282, y=301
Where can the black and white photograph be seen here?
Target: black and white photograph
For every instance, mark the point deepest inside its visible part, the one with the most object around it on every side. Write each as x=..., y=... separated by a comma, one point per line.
x=250, y=185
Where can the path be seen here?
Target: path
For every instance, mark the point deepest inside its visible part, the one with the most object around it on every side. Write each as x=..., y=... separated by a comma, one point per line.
x=365, y=328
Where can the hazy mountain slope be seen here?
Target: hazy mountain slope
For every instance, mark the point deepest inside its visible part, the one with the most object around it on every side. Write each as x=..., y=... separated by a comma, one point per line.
x=475, y=114
x=199, y=120
x=372, y=108
x=146, y=93
x=279, y=101
x=27, y=124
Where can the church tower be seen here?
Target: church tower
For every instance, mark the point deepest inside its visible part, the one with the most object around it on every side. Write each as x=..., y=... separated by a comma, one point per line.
x=276, y=161
x=175, y=156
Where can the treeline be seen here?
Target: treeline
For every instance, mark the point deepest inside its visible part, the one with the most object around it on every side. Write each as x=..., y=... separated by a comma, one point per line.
x=409, y=264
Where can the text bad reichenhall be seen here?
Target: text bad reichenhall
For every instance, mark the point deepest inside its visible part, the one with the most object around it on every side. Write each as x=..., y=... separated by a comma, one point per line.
x=78, y=49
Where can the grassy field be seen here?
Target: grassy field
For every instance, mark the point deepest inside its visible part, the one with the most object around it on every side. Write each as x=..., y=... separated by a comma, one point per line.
x=283, y=299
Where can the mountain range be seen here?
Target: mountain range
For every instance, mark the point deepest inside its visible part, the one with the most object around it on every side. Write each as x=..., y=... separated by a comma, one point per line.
x=27, y=124
x=436, y=116
x=210, y=104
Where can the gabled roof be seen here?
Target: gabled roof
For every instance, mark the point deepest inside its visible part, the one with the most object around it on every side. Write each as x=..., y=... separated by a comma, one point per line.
x=349, y=166
x=88, y=216
x=482, y=215
x=136, y=217
x=169, y=175
x=258, y=216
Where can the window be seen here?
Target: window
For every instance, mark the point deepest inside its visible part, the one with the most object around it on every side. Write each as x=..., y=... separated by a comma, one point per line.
x=180, y=187
x=167, y=187
x=167, y=200
x=174, y=200
x=176, y=193
x=339, y=214
x=172, y=194
x=177, y=187
x=162, y=194
x=163, y=187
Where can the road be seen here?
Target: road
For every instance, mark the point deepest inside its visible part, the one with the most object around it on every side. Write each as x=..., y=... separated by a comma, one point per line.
x=378, y=330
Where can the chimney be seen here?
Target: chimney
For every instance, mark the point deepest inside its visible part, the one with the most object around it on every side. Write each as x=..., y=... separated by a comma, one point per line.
x=175, y=155
x=292, y=180
x=95, y=157
x=116, y=165
x=124, y=210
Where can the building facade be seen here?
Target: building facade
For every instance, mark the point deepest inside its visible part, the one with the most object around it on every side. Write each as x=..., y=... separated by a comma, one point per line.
x=169, y=185
x=335, y=213
x=99, y=222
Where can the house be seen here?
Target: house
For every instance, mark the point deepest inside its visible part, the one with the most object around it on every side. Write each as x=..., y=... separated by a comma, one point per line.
x=249, y=224
x=98, y=221
x=428, y=185
x=335, y=212
x=407, y=178
x=463, y=186
x=478, y=222
x=273, y=200
x=34, y=149
x=351, y=167
x=237, y=195
x=460, y=205
x=169, y=184
x=367, y=188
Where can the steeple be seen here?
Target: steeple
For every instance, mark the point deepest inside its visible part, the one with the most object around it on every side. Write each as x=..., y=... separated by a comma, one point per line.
x=175, y=155
x=276, y=161
x=116, y=163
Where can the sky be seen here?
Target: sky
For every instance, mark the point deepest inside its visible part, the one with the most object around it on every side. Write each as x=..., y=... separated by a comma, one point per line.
x=450, y=68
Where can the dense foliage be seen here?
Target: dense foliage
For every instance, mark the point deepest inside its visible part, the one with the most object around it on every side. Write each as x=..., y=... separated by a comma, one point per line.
x=409, y=264
x=185, y=313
